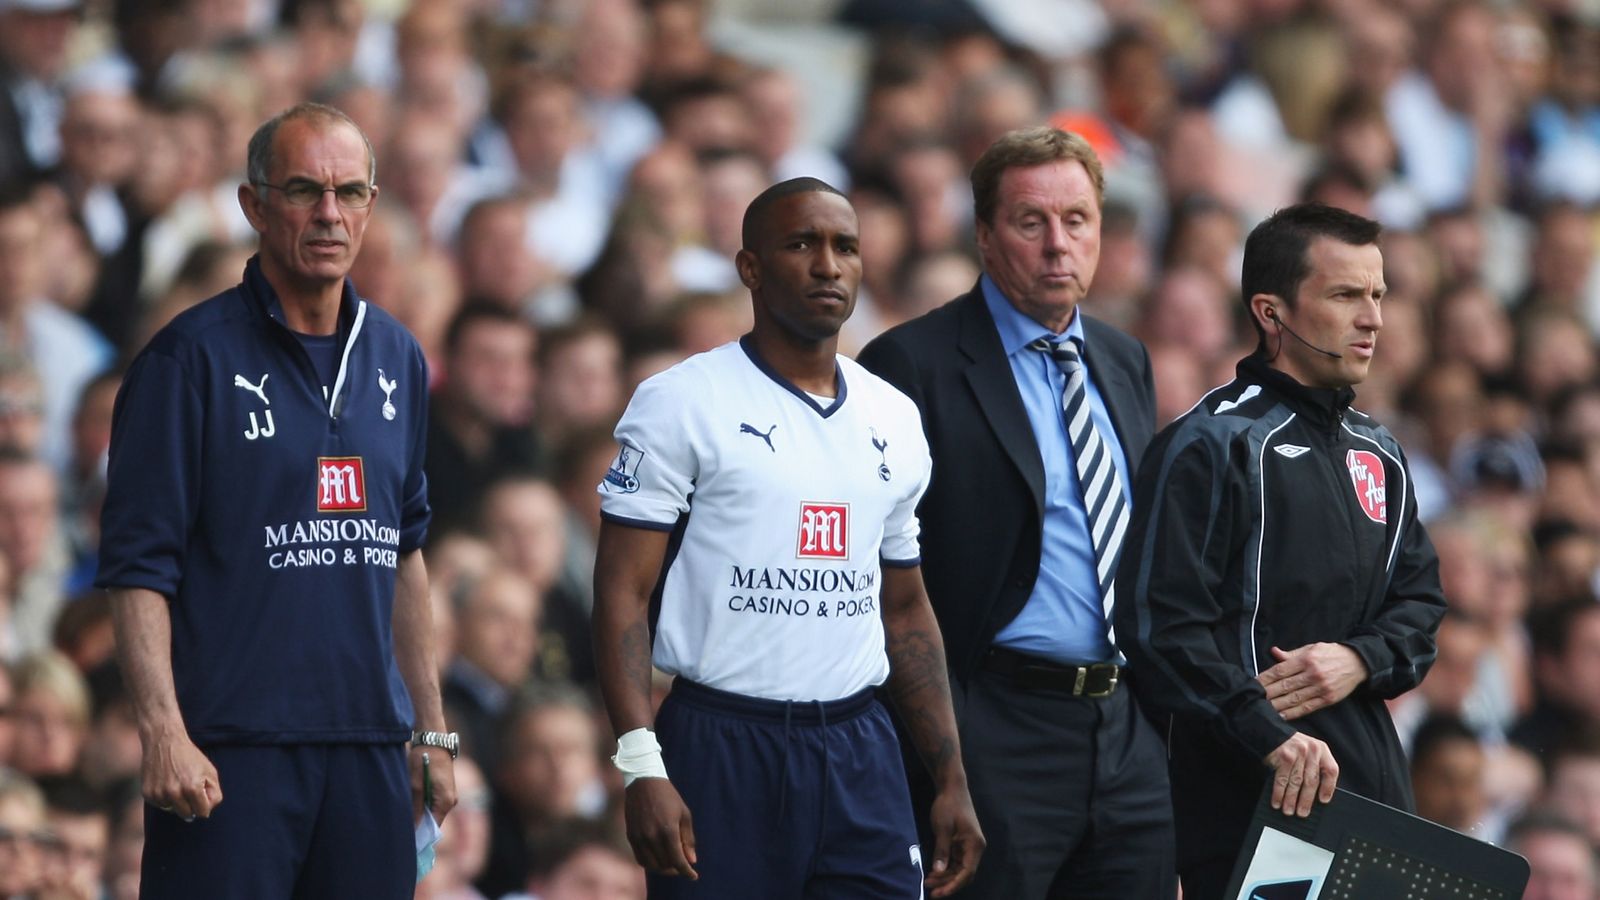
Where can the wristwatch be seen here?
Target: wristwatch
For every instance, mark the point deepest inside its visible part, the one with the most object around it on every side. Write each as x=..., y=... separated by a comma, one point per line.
x=443, y=740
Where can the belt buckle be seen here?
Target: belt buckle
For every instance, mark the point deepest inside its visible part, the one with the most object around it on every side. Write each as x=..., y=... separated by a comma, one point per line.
x=1111, y=686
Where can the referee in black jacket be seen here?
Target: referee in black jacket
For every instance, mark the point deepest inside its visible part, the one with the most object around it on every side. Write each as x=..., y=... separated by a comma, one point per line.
x=1277, y=586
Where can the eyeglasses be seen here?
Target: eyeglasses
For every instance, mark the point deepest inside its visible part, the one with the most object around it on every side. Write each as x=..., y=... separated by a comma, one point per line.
x=9, y=836
x=300, y=192
x=17, y=406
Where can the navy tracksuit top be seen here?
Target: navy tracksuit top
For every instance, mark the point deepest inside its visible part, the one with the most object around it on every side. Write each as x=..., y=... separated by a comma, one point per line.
x=272, y=516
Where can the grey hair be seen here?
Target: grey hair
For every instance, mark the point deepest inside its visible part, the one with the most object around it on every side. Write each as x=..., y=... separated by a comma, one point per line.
x=259, y=157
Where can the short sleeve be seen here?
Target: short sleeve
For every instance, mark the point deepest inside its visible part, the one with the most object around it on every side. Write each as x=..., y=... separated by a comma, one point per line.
x=153, y=477
x=900, y=532
x=650, y=479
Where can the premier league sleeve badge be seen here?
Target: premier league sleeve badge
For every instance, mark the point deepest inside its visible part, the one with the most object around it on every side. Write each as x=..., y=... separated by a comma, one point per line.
x=622, y=475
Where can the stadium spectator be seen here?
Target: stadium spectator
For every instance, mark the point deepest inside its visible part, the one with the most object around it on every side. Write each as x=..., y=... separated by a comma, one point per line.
x=608, y=61
x=99, y=154
x=112, y=754
x=731, y=179
x=1561, y=858
x=580, y=379
x=34, y=547
x=127, y=842
x=1564, y=267
x=586, y=863
x=52, y=713
x=776, y=104
x=1568, y=558
x=495, y=257
x=927, y=178
x=1472, y=326
x=1573, y=783
x=549, y=771
x=1450, y=119
x=35, y=39
x=65, y=351
x=439, y=80
x=481, y=415
x=564, y=184
x=22, y=835
x=523, y=520
x=498, y=638
x=1189, y=308
x=1566, y=665
x=79, y=823
x=427, y=176
x=21, y=406
x=1447, y=775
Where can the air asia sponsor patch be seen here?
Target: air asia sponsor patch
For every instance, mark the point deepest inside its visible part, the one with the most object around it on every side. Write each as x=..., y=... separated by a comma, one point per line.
x=1366, y=476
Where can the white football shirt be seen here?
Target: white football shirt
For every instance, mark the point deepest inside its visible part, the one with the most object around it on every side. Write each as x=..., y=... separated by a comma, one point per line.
x=781, y=508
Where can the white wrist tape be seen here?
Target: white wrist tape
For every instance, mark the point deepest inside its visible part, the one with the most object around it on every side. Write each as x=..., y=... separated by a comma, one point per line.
x=639, y=756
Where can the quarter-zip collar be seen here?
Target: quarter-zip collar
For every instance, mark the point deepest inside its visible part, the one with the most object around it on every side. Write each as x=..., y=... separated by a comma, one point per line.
x=1324, y=408
x=258, y=292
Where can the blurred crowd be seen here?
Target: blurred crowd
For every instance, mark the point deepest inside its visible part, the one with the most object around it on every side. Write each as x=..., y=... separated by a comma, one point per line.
x=562, y=183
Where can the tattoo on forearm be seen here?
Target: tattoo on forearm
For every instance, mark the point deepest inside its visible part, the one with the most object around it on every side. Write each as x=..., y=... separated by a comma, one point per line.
x=635, y=655
x=916, y=663
x=921, y=690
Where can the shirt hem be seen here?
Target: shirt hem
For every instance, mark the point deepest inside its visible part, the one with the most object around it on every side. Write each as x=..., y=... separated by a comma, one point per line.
x=638, y=523
x=389, y=735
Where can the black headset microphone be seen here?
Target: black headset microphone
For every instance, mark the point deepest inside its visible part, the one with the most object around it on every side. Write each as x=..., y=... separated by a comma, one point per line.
x=1272, y=314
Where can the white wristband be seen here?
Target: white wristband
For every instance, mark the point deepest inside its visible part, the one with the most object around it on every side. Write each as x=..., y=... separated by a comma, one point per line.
x=639, y=756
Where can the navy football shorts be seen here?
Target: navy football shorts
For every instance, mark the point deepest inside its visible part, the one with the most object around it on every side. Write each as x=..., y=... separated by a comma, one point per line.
x=296, y=822
x=791, y=801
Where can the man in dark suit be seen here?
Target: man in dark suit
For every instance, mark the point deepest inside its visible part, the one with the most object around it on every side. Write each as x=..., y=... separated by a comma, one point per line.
x=35, y=36
x=1036, y=417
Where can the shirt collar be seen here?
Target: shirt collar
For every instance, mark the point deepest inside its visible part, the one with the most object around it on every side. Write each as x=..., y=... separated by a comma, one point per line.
x=266, y=299
x=1017, y=331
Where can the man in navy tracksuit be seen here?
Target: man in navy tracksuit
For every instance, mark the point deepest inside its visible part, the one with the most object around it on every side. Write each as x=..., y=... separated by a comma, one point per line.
x=260, y=539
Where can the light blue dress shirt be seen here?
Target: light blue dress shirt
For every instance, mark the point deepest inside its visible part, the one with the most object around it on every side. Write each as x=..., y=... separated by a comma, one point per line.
x=1064, y=619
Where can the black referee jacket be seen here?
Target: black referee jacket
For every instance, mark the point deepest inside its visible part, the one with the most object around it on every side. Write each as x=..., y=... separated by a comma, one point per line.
x=1272, y=514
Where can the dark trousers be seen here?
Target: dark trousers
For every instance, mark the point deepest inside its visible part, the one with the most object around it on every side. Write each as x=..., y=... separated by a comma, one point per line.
x=296, y=822
x=1207, y=879
x=791, y=801
x=1071, y=792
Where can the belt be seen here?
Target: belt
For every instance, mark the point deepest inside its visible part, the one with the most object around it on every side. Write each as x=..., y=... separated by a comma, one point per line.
x=1097, y=680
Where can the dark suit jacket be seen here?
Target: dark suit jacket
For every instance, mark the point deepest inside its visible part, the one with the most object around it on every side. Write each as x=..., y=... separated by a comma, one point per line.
x=982, y=517
x=14, y=162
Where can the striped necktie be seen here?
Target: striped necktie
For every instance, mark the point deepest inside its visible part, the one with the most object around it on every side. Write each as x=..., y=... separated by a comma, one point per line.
x=1097, y=472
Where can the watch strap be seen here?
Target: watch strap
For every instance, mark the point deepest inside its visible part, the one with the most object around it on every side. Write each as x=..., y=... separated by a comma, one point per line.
x=448, y=741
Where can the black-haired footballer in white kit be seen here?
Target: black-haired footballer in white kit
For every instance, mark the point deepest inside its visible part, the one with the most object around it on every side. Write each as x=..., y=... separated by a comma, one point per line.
x=788, y=505
x=764, y=497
